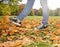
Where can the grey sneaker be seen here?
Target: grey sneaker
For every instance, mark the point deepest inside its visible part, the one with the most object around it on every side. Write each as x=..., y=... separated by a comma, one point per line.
x=15, y=21
x=41, y=27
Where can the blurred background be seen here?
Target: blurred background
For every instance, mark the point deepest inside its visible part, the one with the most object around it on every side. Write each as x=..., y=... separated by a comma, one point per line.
x=14, y=7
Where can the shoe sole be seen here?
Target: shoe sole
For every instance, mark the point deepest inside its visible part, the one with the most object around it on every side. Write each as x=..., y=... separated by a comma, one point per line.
x=17, y=24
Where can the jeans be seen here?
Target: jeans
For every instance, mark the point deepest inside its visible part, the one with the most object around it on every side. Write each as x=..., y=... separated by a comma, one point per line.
x=28, y=8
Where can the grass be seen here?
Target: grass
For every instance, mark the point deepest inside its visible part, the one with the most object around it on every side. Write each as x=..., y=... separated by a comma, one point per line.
x=1, y=17
x=40, y=44
x=37, y=17
x=37, y=42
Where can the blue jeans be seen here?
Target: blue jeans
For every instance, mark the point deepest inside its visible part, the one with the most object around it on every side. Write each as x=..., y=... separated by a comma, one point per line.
x=28, y=8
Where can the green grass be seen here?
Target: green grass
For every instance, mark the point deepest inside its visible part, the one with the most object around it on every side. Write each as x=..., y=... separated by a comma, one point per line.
x=40, y=44
x=37, y=17
x=1, y=17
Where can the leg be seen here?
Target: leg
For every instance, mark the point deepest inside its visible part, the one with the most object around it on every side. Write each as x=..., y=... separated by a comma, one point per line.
x=44, y=12
x=45, y=15
x=26, y=10
x=24, y=13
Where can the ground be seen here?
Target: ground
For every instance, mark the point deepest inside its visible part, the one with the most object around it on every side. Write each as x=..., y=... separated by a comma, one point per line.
x=26, y=36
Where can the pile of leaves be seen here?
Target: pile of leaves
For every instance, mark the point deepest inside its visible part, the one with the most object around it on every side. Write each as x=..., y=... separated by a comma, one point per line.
x=25, y=36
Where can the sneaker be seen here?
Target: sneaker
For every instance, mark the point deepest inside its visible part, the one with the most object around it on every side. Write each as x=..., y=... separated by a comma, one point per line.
x=15, y=21
x=41, y=27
